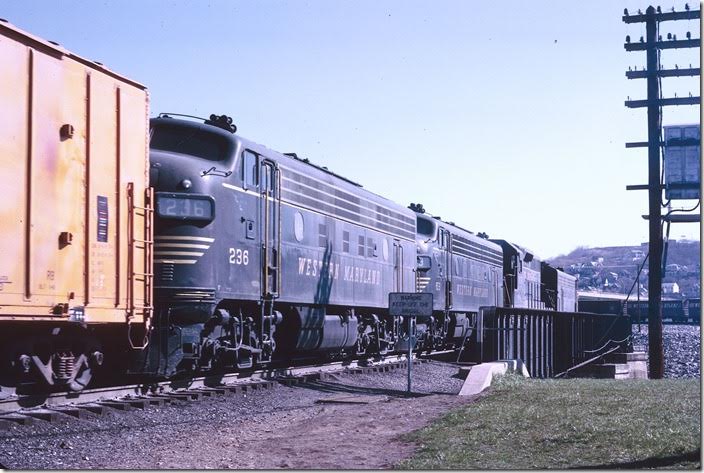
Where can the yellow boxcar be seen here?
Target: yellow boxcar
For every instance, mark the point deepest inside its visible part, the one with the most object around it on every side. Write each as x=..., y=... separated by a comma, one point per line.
x=75, y=216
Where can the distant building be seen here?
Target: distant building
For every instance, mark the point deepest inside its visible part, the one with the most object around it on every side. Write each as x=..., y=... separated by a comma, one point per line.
x=670, y=288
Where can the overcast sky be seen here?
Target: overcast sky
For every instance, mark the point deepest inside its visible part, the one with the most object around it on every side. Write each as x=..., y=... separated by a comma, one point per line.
x=505, y=117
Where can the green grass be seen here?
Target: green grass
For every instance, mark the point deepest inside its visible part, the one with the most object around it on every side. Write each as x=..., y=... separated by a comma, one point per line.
x=539, y=424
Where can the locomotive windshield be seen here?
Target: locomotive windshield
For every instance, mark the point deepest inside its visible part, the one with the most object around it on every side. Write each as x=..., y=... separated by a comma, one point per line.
x=425, y=227
x=193, y=141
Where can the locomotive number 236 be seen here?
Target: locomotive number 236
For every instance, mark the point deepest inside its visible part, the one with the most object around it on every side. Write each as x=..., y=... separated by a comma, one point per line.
x=239, y=256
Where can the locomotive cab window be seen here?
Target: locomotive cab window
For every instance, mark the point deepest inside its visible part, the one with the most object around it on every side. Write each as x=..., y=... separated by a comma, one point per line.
x=346, y=241
x=192, y=141
x=425, y=227
x=249, y=170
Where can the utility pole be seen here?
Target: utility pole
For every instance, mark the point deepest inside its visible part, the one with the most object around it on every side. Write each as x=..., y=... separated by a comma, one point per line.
x=655, y=344
x=652, y=45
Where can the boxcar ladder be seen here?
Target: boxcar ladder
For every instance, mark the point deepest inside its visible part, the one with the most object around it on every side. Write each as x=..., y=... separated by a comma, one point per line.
x=146, y=277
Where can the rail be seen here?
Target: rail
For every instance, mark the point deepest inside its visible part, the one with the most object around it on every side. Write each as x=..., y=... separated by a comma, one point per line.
x=13, y=402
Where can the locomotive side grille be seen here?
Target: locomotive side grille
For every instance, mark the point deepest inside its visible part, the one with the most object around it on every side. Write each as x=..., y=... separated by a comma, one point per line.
x=326, y=198
x=166, y=272
x=470, y=249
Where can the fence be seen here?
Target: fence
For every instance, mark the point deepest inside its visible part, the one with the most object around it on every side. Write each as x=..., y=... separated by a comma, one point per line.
x=547, y=341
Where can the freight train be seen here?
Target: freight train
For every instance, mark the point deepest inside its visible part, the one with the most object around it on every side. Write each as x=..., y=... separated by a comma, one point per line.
x=176, y=246
x=681, y=311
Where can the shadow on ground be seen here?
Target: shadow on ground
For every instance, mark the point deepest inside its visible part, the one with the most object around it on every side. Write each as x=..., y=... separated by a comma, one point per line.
x=652, y=462
x=328, y=387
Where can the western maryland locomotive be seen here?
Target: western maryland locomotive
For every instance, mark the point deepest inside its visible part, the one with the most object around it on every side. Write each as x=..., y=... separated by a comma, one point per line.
x=261, y=255
x=225, y=254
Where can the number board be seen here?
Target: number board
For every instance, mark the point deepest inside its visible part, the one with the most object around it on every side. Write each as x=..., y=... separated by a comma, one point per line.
x=414, y=304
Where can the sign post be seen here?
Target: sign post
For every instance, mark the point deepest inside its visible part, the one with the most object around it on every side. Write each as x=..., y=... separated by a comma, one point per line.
x=410, y=305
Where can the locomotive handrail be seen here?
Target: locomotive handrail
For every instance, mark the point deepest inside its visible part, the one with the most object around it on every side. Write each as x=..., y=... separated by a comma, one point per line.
x=276, y=234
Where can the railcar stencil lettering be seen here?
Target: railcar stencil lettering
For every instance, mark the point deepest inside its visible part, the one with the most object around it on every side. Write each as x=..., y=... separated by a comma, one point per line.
x=316, y=268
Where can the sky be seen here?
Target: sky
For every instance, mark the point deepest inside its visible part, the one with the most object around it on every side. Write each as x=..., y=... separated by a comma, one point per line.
x=504, y=117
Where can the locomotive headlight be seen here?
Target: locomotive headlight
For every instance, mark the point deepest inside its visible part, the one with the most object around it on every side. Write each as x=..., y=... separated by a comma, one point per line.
x=186, y=184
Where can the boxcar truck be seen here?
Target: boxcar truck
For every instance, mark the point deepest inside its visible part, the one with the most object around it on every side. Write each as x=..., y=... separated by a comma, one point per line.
x=75, y=214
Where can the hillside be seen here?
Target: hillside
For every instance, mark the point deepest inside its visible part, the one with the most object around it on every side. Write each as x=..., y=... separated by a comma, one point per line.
x=614, y=268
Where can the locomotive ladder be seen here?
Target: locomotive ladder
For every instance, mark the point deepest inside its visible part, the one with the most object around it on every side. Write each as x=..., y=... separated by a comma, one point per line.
x=270, y=193
x=148, y=275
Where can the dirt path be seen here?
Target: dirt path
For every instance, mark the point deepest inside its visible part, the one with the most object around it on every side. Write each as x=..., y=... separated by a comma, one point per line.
x=293, y=427
x=324, y=436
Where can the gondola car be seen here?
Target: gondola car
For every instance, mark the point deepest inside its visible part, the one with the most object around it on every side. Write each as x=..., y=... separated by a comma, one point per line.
x=262, y=256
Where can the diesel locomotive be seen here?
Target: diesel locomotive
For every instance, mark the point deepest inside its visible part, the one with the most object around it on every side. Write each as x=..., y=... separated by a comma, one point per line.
x=260, y=255
x=173, y=245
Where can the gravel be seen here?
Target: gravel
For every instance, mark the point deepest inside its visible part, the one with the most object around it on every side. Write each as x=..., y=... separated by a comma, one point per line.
x=681, y=345
x=286, y=427
x=267, y=429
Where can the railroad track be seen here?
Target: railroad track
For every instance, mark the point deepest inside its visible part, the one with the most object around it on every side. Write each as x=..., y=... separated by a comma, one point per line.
x=54, y=407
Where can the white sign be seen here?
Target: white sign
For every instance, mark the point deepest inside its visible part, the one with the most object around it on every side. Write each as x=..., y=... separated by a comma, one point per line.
x=414, y=304
x=682, y=161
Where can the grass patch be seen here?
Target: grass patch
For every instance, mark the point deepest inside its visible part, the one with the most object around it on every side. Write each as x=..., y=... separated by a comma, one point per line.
x=573, y=423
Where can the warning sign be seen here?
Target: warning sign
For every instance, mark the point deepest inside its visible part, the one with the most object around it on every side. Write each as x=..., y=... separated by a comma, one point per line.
x=414, y=304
